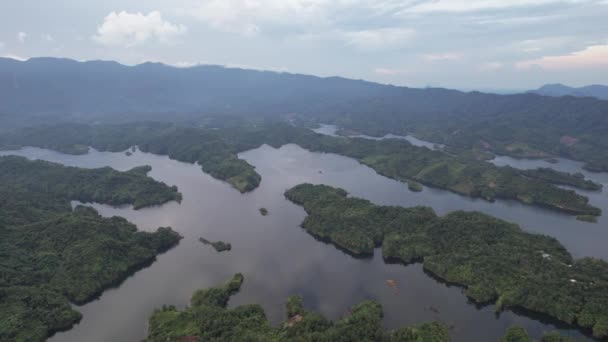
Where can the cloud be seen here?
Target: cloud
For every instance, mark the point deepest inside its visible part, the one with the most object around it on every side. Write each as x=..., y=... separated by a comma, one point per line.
x=48, y=38
x=595, y=56
x=130, y=29
x=378, y=39
x=390, y=72
x=489, y=66
x=21, y=37
x=371, y=40
x=448, y=56
x=465, y=6
x=2, y=45
x=249, y=17
x=16, y=57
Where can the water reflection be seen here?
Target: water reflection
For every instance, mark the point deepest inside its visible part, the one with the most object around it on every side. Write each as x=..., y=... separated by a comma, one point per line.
x=279, y=259
x=332, y=130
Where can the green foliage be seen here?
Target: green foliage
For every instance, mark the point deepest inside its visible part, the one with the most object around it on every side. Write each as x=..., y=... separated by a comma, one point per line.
x=516, y=334
x=587, y=218
x=555, y=336
x=493, y=259
x=216, y=150
x=208, y=319
x=219, y=246
x=561, y=178
x=51, y=255
x=414, y=186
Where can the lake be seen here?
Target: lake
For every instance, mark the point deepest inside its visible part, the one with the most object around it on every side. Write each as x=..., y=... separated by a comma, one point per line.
x=278, y=258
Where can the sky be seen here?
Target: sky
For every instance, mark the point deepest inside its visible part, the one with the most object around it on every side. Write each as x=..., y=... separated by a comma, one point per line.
x=463, y=44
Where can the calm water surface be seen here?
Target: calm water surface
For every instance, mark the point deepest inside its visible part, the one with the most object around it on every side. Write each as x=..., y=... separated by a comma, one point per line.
x=332, y=129
x=278, y=258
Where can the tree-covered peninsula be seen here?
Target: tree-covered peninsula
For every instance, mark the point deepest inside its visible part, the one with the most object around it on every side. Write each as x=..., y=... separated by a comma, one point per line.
x=519, y=334
x=216, y=150
x=51, y=254
x=208, y=319
x=494, y=260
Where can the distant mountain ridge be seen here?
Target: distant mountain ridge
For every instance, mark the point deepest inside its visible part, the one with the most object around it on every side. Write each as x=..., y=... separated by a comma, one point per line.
x=50, y=90
x=595, y=90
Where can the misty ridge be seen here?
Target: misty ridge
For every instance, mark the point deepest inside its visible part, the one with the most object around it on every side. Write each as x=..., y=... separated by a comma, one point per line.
x=52, y=88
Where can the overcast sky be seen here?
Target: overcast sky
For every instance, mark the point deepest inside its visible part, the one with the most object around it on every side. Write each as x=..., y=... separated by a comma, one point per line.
x=465, y=44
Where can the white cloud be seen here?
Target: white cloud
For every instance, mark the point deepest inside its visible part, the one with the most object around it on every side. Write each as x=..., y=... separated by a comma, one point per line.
x=12, y=56
x=390, y=72
x=378, y=39
x=448, y=56
x=250, y=17
x=48, y=38
x=489, y=66
x=464, y=6
x=21, y=37
x=595, y=56
x=2, y=45
x=129, y=29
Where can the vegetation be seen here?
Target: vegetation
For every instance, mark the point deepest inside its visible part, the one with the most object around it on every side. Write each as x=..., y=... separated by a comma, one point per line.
x=587, y=218
x=516, y=334
x=414, y=186
x=555, y=336
x=263, y=211
x=216, y=150
x=495, y=261
x=519, y=125
x=208, y=319
x=51, y=255
x=219, y=246
x=576, y=180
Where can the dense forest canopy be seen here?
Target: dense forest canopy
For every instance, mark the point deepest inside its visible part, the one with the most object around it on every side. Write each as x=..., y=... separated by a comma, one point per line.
x=216, y=149
x=208, y=319
x=51, y=254
x=529, y=125
x=493, y=259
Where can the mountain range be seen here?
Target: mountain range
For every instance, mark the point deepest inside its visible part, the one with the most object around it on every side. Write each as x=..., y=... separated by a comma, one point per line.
x=48, y=90
x=595, y=90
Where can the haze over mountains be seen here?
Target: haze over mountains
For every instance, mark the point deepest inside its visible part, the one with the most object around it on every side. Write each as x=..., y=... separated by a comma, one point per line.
x=594, y=90
x=101, y=90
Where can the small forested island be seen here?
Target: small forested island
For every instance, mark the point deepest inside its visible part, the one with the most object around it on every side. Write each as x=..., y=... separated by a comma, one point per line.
x=217, y=151
x=208, y=319
x=494, y=260
x=53, y=255
x=263, y=211
x=219, y=246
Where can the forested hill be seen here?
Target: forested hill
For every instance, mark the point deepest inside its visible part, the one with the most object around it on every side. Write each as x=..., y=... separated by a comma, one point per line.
x=595, y=90
x=522, y=125
x=62, y=86
x=51, y=254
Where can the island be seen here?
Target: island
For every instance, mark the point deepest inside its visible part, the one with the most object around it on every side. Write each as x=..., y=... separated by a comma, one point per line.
x=219, y=246
x=208, y=319
x=493, y=260
x=216, y=150
x=263, y=211
x=54, y=255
